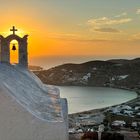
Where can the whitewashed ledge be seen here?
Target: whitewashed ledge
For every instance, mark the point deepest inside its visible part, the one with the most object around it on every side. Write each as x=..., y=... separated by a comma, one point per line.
x=28, y=109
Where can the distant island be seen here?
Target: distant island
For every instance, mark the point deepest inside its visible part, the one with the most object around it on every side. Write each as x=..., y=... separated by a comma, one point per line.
x=118, y=73
x=35, y=68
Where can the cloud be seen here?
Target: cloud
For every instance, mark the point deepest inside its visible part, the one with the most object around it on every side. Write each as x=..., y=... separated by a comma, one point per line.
x=109, y=30
x=64, y=35
x=138, y=11
x=121, y=15
x=136, y=36
x=107, y=21
x=75, y=37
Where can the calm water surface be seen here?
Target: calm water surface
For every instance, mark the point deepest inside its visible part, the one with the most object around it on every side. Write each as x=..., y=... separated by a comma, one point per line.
x=87, y=98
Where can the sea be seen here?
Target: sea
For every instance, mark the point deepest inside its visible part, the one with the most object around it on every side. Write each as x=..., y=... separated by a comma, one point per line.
x=88, y=98
x=85, y=98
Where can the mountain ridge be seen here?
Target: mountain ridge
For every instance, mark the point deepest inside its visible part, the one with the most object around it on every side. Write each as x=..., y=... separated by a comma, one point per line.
x=120, y=73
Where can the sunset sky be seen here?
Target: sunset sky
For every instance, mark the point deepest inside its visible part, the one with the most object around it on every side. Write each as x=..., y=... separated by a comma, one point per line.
x=75, y=27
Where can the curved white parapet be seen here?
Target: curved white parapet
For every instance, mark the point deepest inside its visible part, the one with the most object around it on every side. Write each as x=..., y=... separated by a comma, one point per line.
x=42, y=101
x=26, y=104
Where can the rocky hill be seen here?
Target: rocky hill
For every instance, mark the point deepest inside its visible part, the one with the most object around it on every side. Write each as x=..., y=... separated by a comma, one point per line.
x=114, y=73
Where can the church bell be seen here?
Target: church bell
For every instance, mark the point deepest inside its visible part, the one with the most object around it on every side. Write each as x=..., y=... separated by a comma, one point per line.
x=14, y=47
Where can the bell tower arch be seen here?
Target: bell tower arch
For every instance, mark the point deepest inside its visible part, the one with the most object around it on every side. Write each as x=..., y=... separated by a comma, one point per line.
x=5, y=48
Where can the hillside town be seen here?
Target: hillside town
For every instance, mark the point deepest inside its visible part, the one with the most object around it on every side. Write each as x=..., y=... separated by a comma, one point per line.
x=121, y=120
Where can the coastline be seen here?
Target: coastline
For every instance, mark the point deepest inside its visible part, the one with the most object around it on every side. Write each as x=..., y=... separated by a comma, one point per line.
x=81, y=122
x=101, y=110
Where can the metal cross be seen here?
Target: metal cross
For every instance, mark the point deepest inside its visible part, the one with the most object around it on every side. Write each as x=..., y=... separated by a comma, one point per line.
x=13, y=30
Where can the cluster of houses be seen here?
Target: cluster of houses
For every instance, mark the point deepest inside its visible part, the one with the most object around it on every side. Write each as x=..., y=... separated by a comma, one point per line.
x=91, y=123
x=129, y=116
x=125, y=110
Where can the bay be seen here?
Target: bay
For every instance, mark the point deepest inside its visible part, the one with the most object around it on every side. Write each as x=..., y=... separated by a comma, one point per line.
x=87, y=98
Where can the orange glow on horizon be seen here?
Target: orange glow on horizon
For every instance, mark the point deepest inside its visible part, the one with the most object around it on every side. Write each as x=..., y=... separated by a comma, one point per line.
x=41, y=42
x=55, y=30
